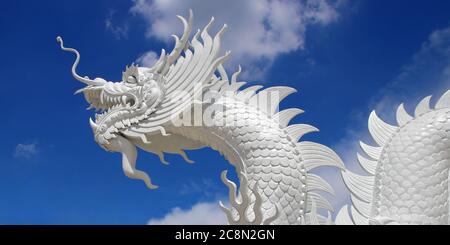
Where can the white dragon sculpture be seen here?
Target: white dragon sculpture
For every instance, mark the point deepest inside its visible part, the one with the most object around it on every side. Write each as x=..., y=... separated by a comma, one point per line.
x=187, y=101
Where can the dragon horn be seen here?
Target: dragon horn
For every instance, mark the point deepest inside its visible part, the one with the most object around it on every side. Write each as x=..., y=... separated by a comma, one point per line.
x=86, y=80
x=181, y=44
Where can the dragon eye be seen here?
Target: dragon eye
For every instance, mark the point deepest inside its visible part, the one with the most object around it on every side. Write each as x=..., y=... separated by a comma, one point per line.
x=131, y=79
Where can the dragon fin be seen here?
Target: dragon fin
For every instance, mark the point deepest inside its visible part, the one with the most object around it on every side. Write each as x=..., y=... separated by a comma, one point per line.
x=444, y=101
x=402, y=116
x=423, y=106
x=285, y=116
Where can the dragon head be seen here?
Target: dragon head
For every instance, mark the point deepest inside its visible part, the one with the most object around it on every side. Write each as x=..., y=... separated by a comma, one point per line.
x=146, y=99
x=119, y=104
x=122, y=104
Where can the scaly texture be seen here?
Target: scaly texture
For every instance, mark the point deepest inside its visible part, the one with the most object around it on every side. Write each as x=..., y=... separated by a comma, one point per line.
x=408, y=171
x=268, y=155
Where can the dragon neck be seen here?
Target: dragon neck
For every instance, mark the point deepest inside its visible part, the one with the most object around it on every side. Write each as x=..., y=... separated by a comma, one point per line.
x=269, y=157
x=240, y=141
x=259, y=142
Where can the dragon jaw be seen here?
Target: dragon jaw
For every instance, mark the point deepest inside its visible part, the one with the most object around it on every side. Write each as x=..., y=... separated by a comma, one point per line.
x=122, y=104
x=135, y=97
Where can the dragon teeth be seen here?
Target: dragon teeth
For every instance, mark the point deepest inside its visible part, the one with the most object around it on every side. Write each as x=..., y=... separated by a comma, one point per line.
x=126, y=122
x=107, y=135
x=102, y=94
x=119, y=125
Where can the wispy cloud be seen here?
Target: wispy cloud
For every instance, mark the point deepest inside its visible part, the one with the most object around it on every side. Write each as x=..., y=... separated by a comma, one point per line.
x=205, y=188
x=259, y=30
x=26, y=150
x=203, y=213
x=148, y=59
x=119, y=32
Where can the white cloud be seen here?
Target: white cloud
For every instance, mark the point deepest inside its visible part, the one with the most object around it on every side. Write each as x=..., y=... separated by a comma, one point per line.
x=119, y=32
x=259, y=30
x=26, y=150
x=148, y=59
x=427, y=74
x=203, y=213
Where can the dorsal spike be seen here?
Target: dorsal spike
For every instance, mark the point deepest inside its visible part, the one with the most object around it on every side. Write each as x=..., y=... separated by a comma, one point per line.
x=343, y=217
x=316, y=155
x=313, y=218
x=320, y=201
x=222, y=72
x=233, y=87
x=423, y=106
x=329, y=220
x=161, y=61
x=444, y=101
x=372, y=151
x=402, y=116
x=369, y=165
x=206, y=29
x=358, y=185
x=296, y=131
x=180, y=44
x=236, y=74
x=363, y=207
x=218, y=83
x=285, y=116
x=315, y=182
x=248, y=92
x=270, y=98
x=381, y=132
x=358, y=218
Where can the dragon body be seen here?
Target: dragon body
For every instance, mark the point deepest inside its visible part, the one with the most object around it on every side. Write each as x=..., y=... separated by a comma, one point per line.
x=407, y=172
x=156, y=108
x=187, y=101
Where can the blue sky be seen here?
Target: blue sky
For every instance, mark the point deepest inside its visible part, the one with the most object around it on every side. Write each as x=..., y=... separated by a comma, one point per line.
x=344, y=57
